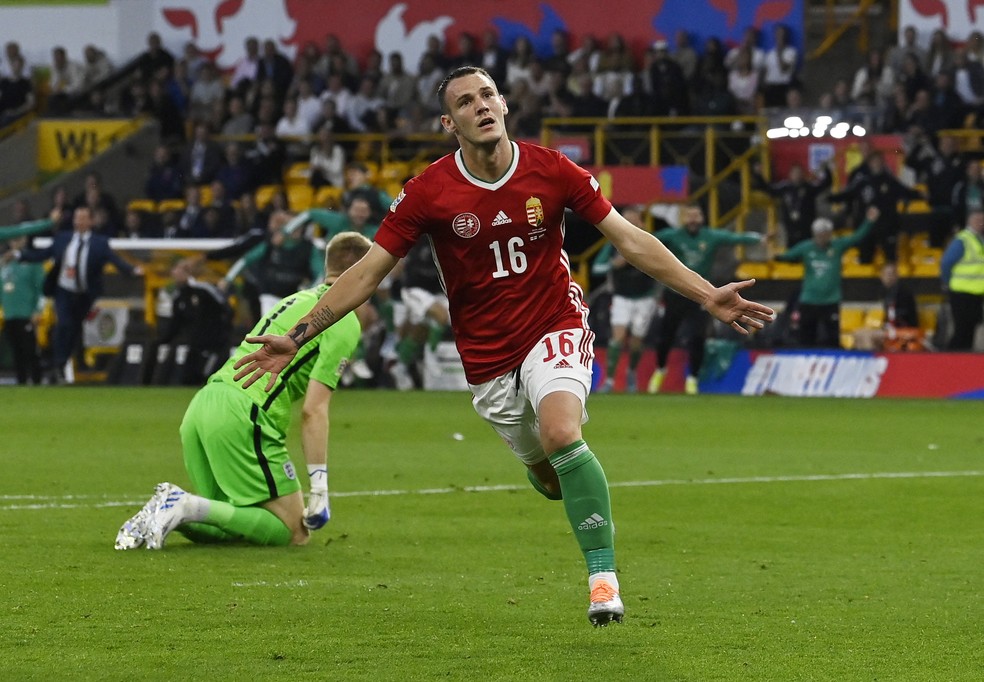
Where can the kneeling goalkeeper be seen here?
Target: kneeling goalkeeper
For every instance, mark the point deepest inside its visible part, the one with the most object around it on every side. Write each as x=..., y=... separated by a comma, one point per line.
x=234, y=440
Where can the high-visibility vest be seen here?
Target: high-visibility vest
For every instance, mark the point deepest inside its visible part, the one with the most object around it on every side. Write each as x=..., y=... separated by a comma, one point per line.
x=968, y=274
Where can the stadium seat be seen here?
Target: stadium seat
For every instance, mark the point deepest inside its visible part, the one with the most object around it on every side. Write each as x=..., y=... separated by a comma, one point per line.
x=393, y=172
x=328, y=197
x=300, y=197
x=142, y=205
x=851, y=319
x=264, y=195
x=298, y=174
x=750, y=270
x=918, y=206
x=171, y=205
x=205, y=195
x=859, y=270
x=875, y=318
x=928, y=315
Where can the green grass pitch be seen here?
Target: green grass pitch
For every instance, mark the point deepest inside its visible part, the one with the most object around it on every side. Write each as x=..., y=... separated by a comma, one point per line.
x=758, y=539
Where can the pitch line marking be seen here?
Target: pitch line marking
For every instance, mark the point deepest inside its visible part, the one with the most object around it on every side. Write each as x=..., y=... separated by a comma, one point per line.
x=34, y=502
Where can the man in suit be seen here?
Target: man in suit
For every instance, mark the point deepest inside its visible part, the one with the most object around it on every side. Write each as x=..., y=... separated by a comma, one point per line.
x=75, y=280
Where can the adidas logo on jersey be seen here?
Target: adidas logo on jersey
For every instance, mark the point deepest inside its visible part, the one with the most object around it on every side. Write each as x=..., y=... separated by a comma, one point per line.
x=563, y=364
x=501, y=219
x=596, y=520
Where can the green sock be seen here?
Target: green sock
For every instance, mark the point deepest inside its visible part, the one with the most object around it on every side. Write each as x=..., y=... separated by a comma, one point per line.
x=408, y=350
x=587, y=503
x=253, y=524
x=204, y=534
x=634, y=356
x=537, y=486
x=435, y=334
x=613, y=355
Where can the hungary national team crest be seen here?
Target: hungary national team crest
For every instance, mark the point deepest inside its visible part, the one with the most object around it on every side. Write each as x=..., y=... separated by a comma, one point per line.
x=466, y=225
x=534, y=212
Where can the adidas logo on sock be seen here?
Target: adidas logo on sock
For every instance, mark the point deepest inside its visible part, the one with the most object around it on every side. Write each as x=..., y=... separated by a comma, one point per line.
x=501, y=219
x=563, y=364
x=596, y=520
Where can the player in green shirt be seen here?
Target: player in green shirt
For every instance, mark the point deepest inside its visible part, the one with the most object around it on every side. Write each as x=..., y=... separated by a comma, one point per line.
x=820, y=296
x=21, y=300
x=234, y=440
x=696, y=245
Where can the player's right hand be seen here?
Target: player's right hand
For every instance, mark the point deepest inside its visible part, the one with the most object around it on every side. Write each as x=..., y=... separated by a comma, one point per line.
x=318, y=510
x=272, y=357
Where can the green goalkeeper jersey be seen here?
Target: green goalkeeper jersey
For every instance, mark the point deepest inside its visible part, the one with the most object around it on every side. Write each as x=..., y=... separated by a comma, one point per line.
x=322, y=359
x=697, y=250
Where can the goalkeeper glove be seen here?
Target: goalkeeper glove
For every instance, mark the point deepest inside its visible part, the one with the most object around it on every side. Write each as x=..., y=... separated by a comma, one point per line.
x=318, y=508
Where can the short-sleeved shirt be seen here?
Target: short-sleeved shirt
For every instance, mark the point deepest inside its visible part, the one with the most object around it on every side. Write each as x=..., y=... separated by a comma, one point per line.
x=499, y=249
x=323, y=359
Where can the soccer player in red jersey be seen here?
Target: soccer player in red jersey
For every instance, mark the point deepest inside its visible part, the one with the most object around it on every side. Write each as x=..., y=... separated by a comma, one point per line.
x=494, y=212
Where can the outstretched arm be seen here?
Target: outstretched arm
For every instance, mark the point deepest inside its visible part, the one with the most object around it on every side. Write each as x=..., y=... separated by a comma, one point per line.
x=349, y=291
x=648, y=254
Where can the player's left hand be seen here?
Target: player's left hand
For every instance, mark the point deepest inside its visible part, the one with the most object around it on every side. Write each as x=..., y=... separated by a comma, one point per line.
x=318, y=510
x=727, y=305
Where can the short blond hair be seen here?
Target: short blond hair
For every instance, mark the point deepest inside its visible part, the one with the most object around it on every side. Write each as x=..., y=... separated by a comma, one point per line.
x=344, y=250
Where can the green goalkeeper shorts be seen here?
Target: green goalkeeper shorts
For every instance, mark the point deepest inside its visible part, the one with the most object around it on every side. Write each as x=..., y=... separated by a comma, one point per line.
x=233, y=452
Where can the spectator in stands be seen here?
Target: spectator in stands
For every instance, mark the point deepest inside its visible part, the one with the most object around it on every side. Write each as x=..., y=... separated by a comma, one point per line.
x=968, y=80
x=587, y=50
x=245, y=69
x=874, y=82
x=667, y=84
x=75, y=281
x=946, y=109
x=61, y=209
x=941, y=170
x=103, y=224
x=519, y=62
x=308, y=105
x=97, y=66
x=275, y=67
x=896, y=118
x=340, y=96
x=165, y=180
x=166, y=112
x=909, y=47
x=336, y=61
x=968, y=194
x=21, y=301
x=153, y=59
x=219, y=203
x=711, y=70
x=191, y=221
x=293, y=130
x=193, y=61
x=327, y=160
x=881, y=189
x=202, y=158
x=494, y=57
x=820, y=296
x=780, y=68
x=240, y=121
x=525, y=112
x=468, y=52
x=177, y=85
x=429, y=77
x=962, y=276
x=899, y=312
x=364, y=107
x=95, y=196
x=16, y=93
x=330, y=120
x=304, y=73
x=685, y=55
x=357, y=185
x=797, y=198
x=235, y=174
x=838, y=101
x=397, y=88
x=12, y=52
x=140, y=225
x=65, y=82
x=743, y=83
x=939, y=59
x=749, y=42
x=205, y=92
x=975, y=46
x=266, y=157
x=912, y=77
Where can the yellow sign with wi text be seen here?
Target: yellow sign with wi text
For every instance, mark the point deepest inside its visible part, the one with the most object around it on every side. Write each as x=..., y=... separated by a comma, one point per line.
x=65, y=145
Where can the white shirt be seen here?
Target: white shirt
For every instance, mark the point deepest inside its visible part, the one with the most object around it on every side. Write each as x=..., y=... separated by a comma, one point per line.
x=73, y=268
x=774, y=75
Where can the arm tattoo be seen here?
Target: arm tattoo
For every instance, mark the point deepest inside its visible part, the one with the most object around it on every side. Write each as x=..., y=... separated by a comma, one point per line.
x=298, y=333
x=324, y=318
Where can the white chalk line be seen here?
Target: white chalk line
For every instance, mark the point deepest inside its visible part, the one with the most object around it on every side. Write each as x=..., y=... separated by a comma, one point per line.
x=38, y=502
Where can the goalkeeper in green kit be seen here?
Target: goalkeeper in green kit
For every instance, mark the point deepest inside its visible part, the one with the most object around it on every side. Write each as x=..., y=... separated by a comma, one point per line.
x=234, y=440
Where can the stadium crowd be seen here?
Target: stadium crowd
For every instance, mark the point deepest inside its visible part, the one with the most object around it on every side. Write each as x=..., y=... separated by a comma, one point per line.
x=230, y=140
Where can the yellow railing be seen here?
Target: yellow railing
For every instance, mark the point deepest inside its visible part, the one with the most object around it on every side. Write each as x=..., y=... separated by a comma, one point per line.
x=836, y=27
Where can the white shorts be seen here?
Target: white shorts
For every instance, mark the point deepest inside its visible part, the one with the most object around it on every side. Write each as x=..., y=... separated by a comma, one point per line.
x=560, y=361
x=418, y=301
x=635, y=314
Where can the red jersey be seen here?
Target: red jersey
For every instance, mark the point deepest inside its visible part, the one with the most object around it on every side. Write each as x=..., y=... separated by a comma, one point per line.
x=499, y=250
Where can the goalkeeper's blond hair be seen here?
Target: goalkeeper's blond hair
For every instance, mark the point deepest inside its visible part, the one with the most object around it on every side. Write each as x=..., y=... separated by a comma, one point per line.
x=344, y=250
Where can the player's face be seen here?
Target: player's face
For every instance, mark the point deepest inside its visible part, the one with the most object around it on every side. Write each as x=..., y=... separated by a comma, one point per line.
x=695, y=218
x=476, y=110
